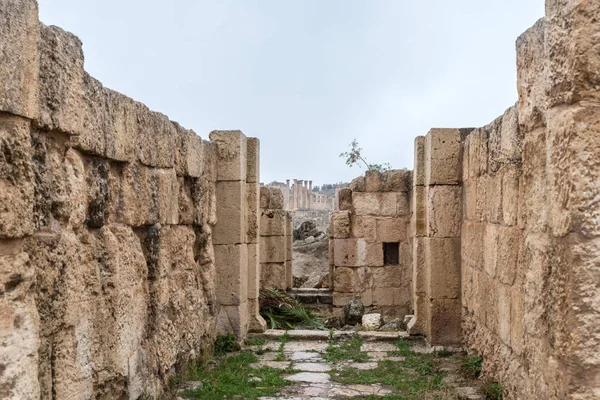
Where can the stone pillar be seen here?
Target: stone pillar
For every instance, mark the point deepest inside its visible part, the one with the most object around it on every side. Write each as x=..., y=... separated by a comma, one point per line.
x=273, y=254
x=439, y=228
x=295, y=197
x=230, y=233
x=289, y=240
x=286, y=195
x=257, y=323
x=309, y=193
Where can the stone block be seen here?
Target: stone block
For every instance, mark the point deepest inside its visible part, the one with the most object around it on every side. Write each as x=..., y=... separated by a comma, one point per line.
x=444, y=211
x=209, y=168
x=231, y=263
x=396, y=180
x=373, y=181
x=472, y=244
x=253, y=223
x=418, y=325
x=531, y=77
x=345, y=199
x=189, y=152
x=445, y=319
x=276, y=199
x=443, y=264
x=419, y=215
x=289, y=237
x=493, y=196
x=343, y=280
x=232, y=155
x=378, y=204
x=265, y=197
x=231, y=205
x=472, y=158
x=205, y=201
x=340, y=224
x=97, y=192
x=155, y=138
x=517, y=320
x=273, y=275
x=289, y=277
x=272, y=249
x=166, y=192
x=443, y=154
x=357, y=253
x=253, y=271
x=273, y=222
x=419, y=266
x=16, y=177
x=403, y=204
x=233, y=320
x=121, y=127
x=490, y=245
x=358, y=184
x=253, y=156
x=509, y=243
x=503, y=304
x=257, y=323
x=510, y=195
x=19, y=30
x=383, y=296
x=391, y=276
x=391, y=230
x=419, y=164
x=470, y=200
x=364, y=227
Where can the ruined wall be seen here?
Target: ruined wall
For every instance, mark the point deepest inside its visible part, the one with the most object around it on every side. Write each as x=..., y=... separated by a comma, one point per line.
x=530, y=242
x=276, y=237
x=108, y=212
x=374, y=210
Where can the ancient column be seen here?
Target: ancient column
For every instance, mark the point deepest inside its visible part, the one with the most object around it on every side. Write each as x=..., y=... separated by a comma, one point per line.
x=286, y=195
x=309, y=193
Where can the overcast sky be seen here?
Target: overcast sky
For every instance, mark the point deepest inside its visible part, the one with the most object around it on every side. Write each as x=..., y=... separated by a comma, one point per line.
x=307, y=76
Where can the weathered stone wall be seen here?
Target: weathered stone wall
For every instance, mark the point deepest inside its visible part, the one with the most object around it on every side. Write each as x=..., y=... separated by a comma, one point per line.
x=374, y=210
x=276, y=238
x=108, y=214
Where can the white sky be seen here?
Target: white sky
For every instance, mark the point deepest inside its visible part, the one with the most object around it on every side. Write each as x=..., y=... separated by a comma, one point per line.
x=307, y=76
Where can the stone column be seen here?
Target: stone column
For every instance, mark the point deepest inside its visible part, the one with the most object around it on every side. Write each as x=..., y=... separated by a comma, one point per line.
x=257, y=323
x=440, y=228
x=286, y=196
x=230, y=233
x=295, y=195
x=289, y=241
x=273, y=222
x=309, y=193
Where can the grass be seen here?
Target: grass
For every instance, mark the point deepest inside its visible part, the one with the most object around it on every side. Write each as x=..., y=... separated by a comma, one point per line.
x=492, y=391
x=226, y=344
x=470, y=366
x=285, y=338
x=233, y=376
x=417, y=376
x=345, y=351
x=282, y=311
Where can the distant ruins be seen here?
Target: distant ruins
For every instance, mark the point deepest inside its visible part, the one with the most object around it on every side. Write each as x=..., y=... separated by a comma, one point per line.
x=300, y=197
x=127, y=242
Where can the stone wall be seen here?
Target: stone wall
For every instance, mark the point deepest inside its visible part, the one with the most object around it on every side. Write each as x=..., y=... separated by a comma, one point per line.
x=276, y=238
x=374, y=210
x=108, y=215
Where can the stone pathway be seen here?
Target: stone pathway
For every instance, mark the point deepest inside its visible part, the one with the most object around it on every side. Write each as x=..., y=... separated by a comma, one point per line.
x=313, y=380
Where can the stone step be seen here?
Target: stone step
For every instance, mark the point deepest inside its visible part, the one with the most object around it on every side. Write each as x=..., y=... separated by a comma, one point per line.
x=312, y=296
x=305, y=334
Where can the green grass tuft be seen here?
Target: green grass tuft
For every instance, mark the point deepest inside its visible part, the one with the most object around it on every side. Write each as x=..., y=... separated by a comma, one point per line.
x=346, y=351
x=226, y=344
x=492, y=391
x=470, y=366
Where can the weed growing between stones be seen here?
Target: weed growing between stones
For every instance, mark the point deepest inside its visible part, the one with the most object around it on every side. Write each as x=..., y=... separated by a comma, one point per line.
x=234, y=377
x=470, y=366
x=345, y=351
x=226, y=344
x=492, y=391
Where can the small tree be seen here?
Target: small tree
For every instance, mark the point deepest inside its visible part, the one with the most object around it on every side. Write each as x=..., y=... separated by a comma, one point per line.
x=354, y=157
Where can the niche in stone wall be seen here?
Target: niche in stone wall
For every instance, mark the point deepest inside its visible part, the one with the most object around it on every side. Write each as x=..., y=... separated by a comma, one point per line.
x=391, y=253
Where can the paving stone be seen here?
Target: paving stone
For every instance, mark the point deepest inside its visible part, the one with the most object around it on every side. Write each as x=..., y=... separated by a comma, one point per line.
x=304, y=356
x=312, y=367
x=272, y=364
x=377, y=355
x=359, y=390
x=360, y=366
x=310, y=377
x=376, y=346
x=305, y=345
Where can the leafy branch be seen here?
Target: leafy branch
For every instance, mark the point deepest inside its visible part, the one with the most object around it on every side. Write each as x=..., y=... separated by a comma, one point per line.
x=354, y=157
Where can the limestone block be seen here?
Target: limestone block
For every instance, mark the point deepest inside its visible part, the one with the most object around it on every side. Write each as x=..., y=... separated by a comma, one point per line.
x=204, y=196
x=253, y=168
x=189, y=152
x=273, y=275
x=417, y=326
x=345, y=199
x=289, y=277
x=265, y=197
x=19, y=33
x=573, y=61
x=341, y=224
x=444, y=211
x=419, y=211
x=511, y=137
x=343, y=280
x=273, y=222
x=61, y=81
x=490, y=245
x=391, y=276
x=391, y=230
x=403, y=204
x=371, y=322
x=373, y=181
x=289, y=237
x=419, y=273
x=231, y=262
x=510, y=195
x=517, y=314
x=357, y=253
x=472, y=158
x=472, y=244
x=470, y=200
x=531, y=77
x=396, y=180
x=185, y=202
x=379, y=204
x=209, y=169
x=232, y=155
x=252, y=212
x=20, y=324
x=503, y=303
x=509, y=241
x=76, y=187
x=419, y=163
x=443, y=264
x=257, y=323
x=253, y=271
x=121, y=127
x=358, y=184
x=493, y=196
x=167, y=192
x=443, y=153
x=272, y=249
x=98, y=201
x=233, y=320
x=276, y=199
x=231, y=204
x=534, y=182
x=16, y=178
x=155, y=138
x=364, y=227
x=445, y=317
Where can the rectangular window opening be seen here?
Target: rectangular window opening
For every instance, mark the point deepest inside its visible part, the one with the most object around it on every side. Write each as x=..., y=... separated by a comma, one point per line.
x=391, y=253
